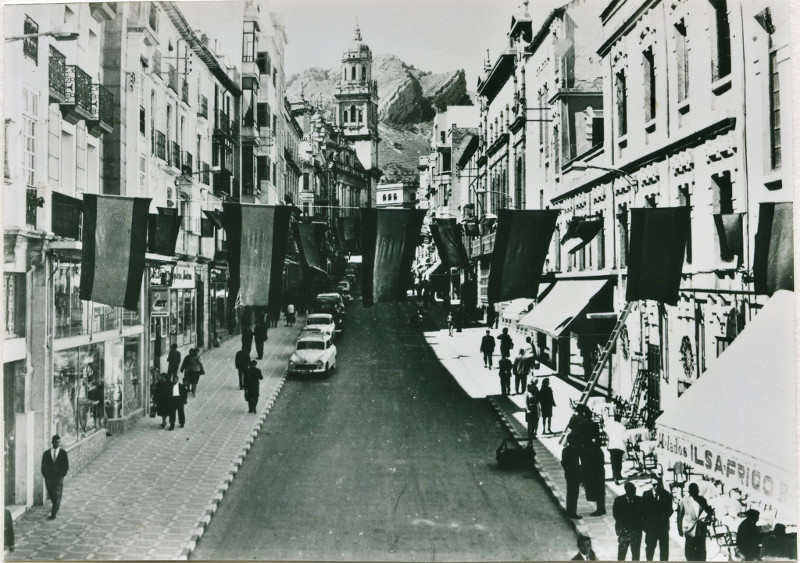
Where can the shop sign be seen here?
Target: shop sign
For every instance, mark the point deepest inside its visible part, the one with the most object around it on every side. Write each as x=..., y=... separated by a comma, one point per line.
x=161, y=275
x=183, y=277
x=159, y=302
x=752, y=476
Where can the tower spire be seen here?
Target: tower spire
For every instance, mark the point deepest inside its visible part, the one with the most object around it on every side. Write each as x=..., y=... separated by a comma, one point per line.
x=357, y=32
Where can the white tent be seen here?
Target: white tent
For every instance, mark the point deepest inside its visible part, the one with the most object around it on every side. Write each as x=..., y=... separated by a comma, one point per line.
x=737, y=421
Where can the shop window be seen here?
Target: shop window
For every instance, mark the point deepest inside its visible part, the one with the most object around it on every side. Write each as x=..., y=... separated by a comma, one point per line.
x=14, y=299
x=131, y=392
x=621, y=102
x=71, y=313
x=79, y=392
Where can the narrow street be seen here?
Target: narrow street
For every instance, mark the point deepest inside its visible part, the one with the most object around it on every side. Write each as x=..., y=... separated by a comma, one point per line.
x=386, y=459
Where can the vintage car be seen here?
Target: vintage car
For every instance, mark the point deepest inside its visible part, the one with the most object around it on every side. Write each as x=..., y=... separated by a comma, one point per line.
x=331, y=303
x=321, y=322
x=314, y=353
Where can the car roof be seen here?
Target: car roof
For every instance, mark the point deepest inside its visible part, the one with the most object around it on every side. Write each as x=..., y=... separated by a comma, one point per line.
x=328, y=295
x=312, y=336
x=326, y=316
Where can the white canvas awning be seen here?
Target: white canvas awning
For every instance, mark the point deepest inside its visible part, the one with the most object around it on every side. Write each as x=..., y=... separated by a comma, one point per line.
x=516, y=308
x=737, y=421
x=565, y=301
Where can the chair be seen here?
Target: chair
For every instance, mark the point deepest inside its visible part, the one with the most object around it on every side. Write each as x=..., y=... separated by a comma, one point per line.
x=724, y=537
x=680, y=476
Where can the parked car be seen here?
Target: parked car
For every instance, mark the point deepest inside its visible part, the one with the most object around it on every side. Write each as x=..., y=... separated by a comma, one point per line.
x=321, y=322
x=314, y=353
x=331, y=303
x=344, y=290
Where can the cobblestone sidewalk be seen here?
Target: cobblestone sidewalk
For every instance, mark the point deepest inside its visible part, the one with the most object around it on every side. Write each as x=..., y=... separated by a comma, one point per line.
x=151, y=492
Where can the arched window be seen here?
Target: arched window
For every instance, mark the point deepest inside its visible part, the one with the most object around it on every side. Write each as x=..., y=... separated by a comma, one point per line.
x=353, y=73
x=363, y=73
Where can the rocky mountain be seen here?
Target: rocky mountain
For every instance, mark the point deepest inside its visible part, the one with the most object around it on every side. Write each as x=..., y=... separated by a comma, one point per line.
x=409, y=98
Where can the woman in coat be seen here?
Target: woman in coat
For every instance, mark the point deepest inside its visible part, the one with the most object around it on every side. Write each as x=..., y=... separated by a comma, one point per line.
x=546, y=403
x=193, y=369
x=163, y=398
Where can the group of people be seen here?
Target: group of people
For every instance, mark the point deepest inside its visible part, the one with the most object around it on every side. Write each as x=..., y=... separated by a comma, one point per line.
x=539, y=403
x=169, y=394
x=646, y=515
x=583, y=462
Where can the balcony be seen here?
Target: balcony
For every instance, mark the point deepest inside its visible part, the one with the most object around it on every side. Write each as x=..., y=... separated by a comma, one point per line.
x=205, y=175
x=77, y=102
x=174, y=154
x=222, y=182
x=202, y=110
x=250, y=132
x=482, y=245
x=102, y=120
x=160, y=146
x=185, y=92
x=172, y=78
x=222, y=123
x=188, y=163
x=144, y=18
x=157, y=63
x=58, y=73
x=67, y=214
x=102, y=11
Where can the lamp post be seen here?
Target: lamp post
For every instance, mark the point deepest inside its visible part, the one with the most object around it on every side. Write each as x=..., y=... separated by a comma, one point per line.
x=58, y=34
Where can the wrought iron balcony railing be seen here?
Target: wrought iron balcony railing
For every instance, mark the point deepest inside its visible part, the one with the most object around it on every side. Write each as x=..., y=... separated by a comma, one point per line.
x=188, y=164
x=222, y=122
x=174, y=154
x=205, y=176
x=160, y=146
x=102, y=117
x=58, y=76
x=30, y=45
x=202, y=111
x=77, y=104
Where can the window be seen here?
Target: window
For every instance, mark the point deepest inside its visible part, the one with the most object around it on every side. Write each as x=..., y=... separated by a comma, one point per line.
x=601, y=244
x=263, y=115
x=262, y=165
x=352, y=113
x=685, y=200
x=443, y=137
x=30, y=45
x=249, y=42
x=723, y=193
x=721, y=62
x=682, y=60
x=774, y=111
x=153, y=121
x=353, y=73
x=142, y=120
x=621, y=101
x=14, y=292
x=248, y=107
x=29, y=122
x=142, y=174
x=649, y=77
x=248, y=172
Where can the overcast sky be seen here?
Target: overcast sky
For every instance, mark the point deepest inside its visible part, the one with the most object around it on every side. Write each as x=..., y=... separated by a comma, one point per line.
x=434, y=35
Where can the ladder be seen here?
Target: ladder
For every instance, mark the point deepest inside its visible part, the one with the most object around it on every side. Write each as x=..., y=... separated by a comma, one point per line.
x=601, y=362
x=636, y=393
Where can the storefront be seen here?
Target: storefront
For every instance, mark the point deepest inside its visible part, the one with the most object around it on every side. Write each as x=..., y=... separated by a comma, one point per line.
x=218, y=306
x=173, y=312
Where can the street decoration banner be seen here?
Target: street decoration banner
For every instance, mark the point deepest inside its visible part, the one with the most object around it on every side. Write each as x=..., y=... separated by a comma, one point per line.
x=449, y=242
x=162, y=231
x=114, y=247
x=215, y=216
x=521, y=243
x=655, y=258
x=306, y=237
x=389, y=240
x=257, y=239
x=773, y=256
x=580, y=232
x=730, y=232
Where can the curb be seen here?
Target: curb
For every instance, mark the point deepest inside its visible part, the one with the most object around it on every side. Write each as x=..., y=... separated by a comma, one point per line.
x=513, y=426
x=216, y=499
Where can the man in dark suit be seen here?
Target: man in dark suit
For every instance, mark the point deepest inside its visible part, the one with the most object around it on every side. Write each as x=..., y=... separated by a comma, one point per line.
x=178, y=399
x=656, y=510
x=173, y=361
x=570, y=461
x=55, y=464
x=260, y=336
x=628, y=523
x=252, y=376
x=585, y=551
x=242, y=362
x=487, y=349
x=247, y=339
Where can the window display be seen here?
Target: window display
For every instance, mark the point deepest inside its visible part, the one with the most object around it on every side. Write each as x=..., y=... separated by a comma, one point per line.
x=72, y=314
x=79, y=392
x=131, y=390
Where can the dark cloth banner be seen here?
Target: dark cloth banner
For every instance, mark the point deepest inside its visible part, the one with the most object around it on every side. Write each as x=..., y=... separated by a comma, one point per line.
x=162, y=232
x=656, y=252
x=773, y=256
x=520, y=248
x=206, y=227
x=449, y=243
x=215, y=216
x=306, y=237
x=580, y=232
x=731, y=239
x=114, y=247
x=389, y=239
x=257, y=239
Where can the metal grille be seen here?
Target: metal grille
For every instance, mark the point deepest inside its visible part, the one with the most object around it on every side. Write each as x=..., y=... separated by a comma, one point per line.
x=57, y=72
x=30, y=45
x=78, y=88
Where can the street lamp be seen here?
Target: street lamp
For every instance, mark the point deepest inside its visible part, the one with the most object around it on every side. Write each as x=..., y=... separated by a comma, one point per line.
x=484, y=191
x=59, y=34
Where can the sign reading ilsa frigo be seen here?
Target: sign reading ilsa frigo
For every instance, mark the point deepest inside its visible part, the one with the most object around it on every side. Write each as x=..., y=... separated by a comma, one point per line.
x=753, y=476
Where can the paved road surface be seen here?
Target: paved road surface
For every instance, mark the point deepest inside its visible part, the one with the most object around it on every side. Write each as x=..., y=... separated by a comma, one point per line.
x=387, y=459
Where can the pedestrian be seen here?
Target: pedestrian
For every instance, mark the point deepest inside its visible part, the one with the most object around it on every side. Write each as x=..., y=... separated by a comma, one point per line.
x=290, y=315
x=656, y=511
x=242, y=362
x=252, y=376
x=593, y=473
x=534, y=353
x=628, y=523
x=496, y=317
x=506, y=344
x=8, y=526
x=521, y=369
x=173, y=360
x=582, y=426
x=505, y=368
x=748, y=538
x=490, y=316
x=450, y=322
x=55, y=465
x=616, y=445
x=247, y=338
x=487, y=349
x=690, y=524
x=532, y=403
x=260, y=336
x=163, y=397
x=546, y=404
x=585, y=551
x=178, y=397
x=570, y=462
x=193, y=368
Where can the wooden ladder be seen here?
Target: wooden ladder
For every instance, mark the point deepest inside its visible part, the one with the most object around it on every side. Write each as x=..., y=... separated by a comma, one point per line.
x=601, y=362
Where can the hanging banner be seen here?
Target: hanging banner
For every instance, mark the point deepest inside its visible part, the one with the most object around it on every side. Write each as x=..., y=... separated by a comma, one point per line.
x=773, y=259
x=389, y=239
x=656, y=252
x=305, y=235
x=114, y=246
x=520, y=248
x=162, y=233
x=449, y=243
x=257, y=240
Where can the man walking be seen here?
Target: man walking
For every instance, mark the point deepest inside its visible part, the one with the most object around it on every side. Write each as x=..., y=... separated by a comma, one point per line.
x=506, y=344
x=260, y=336
x=247, y=339
x=628, y=523
x=521, y=370
x=252, y=376
x=450, y=323
x=178, y=398
x=656, y=510
x=242, y=362
x=505, y=375
x=487, y=349
x=691, y=526
x=532, y=404
x=570, y=462
x=616, y=445
x=55, y=465
x=173, y=361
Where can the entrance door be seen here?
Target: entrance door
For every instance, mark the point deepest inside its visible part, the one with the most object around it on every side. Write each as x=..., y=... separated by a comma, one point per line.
x=9, y=397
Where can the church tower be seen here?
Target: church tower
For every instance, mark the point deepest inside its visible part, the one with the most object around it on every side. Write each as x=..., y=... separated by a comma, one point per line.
x=357, y=99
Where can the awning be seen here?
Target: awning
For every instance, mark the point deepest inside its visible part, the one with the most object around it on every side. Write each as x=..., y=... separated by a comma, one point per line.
x=517, y=307
x=432, y=270
x=580, y=232
x=562, y=305
x=738, y=418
